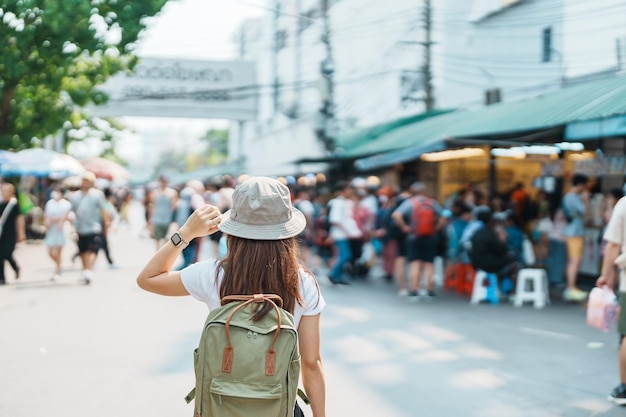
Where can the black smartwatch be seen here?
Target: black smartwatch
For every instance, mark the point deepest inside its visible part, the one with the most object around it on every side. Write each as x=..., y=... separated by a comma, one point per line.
x=177, y=239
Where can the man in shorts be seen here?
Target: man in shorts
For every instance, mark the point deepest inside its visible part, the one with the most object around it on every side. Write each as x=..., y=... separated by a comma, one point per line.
x=91, y=215
x=575, y=206
x=421, y=250
x=163, y=205
x=615, y=238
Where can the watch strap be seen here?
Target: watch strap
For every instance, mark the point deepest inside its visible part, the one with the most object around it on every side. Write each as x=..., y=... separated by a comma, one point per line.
x=182, y=239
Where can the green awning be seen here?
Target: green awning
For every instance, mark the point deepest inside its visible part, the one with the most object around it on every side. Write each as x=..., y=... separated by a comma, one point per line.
x=355, y=145
x=599, y=128
x=351, y=144
x=589, y=101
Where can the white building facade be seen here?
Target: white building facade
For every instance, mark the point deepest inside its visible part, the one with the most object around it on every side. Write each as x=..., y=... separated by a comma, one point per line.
x=511, y=49
x=481, y=50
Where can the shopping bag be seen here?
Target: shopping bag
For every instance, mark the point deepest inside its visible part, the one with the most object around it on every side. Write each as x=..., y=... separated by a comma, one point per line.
x=602, y=308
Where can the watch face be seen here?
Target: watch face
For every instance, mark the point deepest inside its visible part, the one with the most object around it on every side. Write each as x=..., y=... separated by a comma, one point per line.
x=176, y=239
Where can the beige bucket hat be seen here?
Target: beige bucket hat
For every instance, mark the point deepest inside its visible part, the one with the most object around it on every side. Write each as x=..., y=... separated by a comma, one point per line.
x=262, y=210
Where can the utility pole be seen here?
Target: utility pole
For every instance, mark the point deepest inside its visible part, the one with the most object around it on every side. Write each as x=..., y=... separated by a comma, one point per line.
x=276, y=47
x=298, y=60
x=241, y=157
x=425, y=69
x=326, y=130
x=427, y=74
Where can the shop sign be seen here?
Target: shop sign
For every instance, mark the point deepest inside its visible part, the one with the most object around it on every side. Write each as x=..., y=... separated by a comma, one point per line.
x=603, y=165
x=553, y=168
x=183, y=88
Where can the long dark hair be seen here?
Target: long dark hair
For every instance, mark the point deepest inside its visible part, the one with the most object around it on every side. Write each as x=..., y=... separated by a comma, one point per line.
x=262, y=266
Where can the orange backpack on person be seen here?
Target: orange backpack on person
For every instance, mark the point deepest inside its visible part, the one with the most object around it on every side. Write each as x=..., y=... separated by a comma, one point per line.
x=424, y=218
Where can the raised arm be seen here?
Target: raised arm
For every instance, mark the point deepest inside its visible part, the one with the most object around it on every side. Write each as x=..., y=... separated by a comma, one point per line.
x=157, y=276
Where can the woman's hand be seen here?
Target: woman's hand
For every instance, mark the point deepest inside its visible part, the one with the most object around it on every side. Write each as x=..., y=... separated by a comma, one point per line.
x=202, y=222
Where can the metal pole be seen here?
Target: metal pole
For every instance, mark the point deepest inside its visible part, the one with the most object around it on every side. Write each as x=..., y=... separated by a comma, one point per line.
x=327, y=70
x=298, y=59
x=427, y=69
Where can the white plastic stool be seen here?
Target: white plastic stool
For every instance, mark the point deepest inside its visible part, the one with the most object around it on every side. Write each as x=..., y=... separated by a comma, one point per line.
x=480, y=292
x=532, y=285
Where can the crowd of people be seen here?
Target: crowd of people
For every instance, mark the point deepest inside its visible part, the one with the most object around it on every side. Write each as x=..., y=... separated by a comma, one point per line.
x=350, y=227
x=359, y=223
x=88, y=211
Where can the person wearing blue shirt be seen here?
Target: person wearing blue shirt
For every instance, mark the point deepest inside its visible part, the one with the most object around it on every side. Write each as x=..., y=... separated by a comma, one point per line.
x=575, y=206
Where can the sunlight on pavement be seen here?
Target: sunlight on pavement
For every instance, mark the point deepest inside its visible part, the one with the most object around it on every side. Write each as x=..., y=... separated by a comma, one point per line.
x=593, y=406
x=438, y=355
x=356, y=349
x=354, y=396
x=383, y=374
x=436, y=333
x=479, y=352
x=403, y=341
x=477, y=379
x=340, y=316
x=504, y=411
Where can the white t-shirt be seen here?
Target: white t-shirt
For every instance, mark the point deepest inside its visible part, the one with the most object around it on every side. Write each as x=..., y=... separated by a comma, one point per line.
x=343, y=226
x=305, y=206
x=616, y=233
x=200, y=281
x=57, y=208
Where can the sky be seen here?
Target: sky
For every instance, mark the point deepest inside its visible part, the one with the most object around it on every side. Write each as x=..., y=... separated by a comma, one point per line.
x=202, y=29
x=193, y=29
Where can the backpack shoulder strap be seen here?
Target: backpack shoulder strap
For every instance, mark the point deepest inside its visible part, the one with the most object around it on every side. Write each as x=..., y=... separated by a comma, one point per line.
x=270, y=358
x=256, y=298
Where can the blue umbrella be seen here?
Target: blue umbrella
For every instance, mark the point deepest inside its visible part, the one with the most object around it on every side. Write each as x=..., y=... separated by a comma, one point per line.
x=7, y=157
x=40, y=162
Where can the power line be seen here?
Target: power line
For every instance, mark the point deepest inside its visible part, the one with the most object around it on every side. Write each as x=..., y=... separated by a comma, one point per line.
x=541, y=7
x=505, y=37
x=538, y=18
x=365, y=28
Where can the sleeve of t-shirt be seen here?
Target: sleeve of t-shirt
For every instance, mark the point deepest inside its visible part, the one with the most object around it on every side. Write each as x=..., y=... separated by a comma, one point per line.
x=314, y=302
x=580, y=206
x=102, y=201
x=16, y=210
x=336, y=211
x=405, y=208
x=306, y=207
x=437, y=207
x=67, y=206
x=615, y=229
x=199, y=280
x=574, y=205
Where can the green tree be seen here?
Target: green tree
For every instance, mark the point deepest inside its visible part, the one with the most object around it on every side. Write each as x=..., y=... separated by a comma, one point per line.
x=52, y=55
x=171, y=162
x=215, y=152
x=216, y=141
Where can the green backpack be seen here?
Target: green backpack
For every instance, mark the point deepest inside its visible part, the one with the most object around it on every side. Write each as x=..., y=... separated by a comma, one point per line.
x=247, y=368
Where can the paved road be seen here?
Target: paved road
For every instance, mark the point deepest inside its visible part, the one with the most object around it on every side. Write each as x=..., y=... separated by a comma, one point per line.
x=110, y=349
